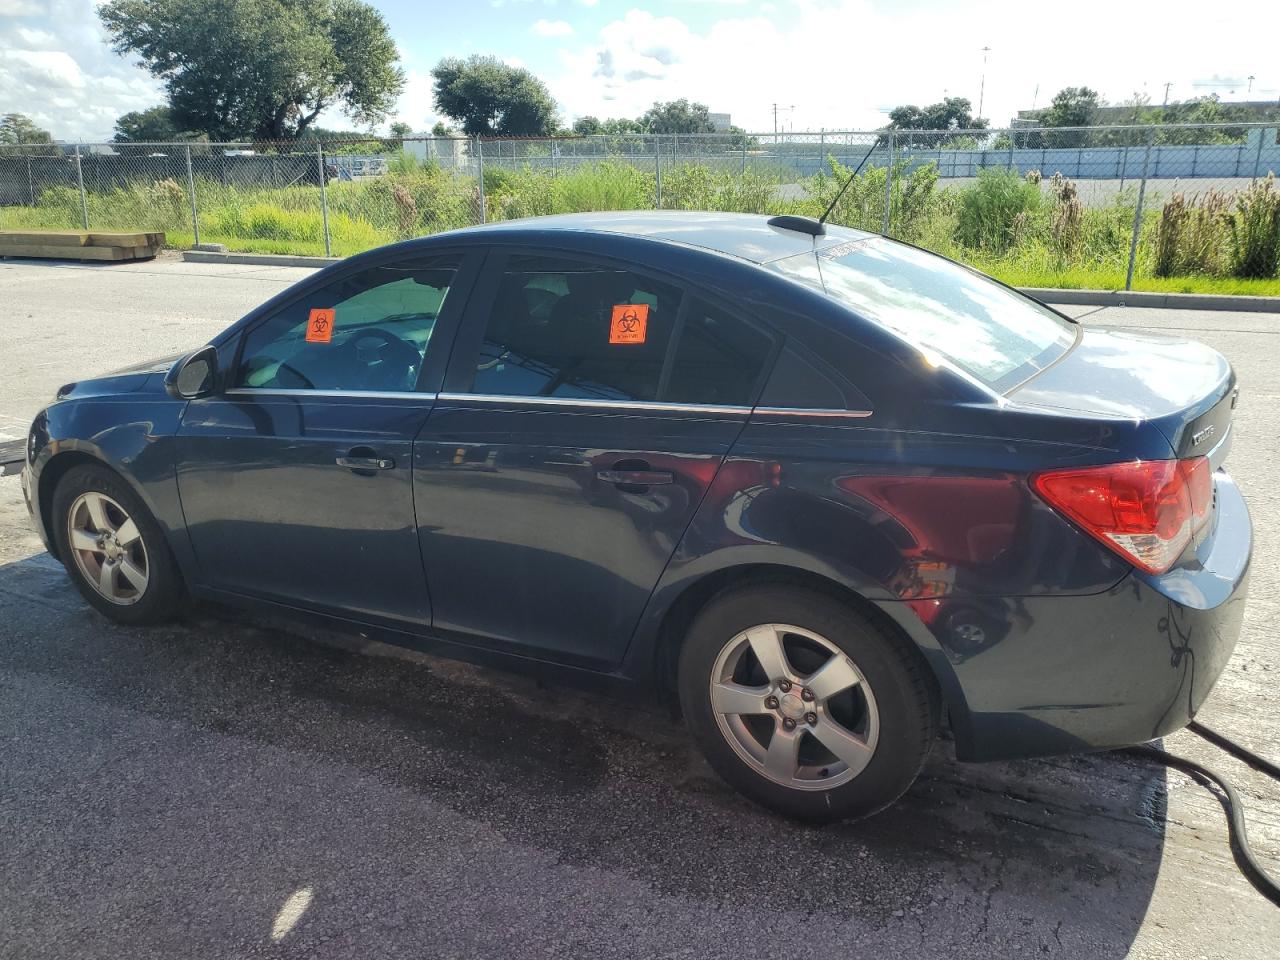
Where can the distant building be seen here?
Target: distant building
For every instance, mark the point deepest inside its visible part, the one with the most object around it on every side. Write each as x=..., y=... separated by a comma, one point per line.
x=720, y=121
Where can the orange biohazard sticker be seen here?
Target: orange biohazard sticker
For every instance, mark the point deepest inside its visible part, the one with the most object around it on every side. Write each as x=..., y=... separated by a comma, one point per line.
x=630, y=322
x=320, y=325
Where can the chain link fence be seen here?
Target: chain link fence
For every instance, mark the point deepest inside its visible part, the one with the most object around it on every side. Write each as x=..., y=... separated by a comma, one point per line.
x=1097, y=206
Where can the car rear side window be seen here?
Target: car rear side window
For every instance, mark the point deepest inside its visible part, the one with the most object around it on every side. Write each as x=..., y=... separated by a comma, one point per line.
x=563, y=327
x=993, y=334
x=366, y=331
x=718, y=357
x=572, y=328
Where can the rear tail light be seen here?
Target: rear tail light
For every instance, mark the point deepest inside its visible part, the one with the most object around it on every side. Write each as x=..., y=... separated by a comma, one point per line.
x=1147, y=510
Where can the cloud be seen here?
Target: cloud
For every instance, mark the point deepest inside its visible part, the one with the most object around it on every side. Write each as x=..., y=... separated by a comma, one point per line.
x=57, y=68
x=552, y=28
x=861, y=58
x=20, y=8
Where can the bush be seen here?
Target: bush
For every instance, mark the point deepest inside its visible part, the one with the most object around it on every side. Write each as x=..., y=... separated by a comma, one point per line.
x=698, y=187
x=997, y=211
x=1188, y=237
x=1255, y=231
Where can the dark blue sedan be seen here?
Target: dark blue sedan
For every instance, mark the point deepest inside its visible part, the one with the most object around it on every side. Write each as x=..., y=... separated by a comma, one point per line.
x=832, y=493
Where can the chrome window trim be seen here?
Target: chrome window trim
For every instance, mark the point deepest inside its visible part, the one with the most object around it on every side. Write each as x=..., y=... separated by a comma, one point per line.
x=621, y=405
x=652, y=406
x=812, y=412
x=368, y=394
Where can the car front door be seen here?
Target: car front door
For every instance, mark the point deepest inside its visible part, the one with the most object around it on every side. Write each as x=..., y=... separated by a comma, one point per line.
x=295, y=477
x=585, y=413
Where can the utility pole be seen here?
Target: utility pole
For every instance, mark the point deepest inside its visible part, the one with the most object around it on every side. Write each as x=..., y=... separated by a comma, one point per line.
x=776, y=108
x=1251, y=79
x=982, y=89
x=1166, y=93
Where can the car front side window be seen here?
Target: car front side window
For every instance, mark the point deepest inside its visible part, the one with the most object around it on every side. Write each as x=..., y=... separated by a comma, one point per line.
x=368, y=331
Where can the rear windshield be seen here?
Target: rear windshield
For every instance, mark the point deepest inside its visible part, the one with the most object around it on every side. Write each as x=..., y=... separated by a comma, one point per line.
x=990, y=332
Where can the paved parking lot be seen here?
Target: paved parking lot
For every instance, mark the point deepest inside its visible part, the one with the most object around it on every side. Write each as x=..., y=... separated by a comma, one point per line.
x=226, y=787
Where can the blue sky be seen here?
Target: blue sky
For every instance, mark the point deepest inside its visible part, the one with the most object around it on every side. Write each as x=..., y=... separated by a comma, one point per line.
x=839, y=64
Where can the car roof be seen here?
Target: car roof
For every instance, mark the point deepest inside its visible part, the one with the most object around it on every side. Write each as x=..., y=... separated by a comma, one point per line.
x=747, y=236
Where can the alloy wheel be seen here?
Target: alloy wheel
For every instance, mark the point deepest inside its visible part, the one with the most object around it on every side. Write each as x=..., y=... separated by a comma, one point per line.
x=794, y=707
x=108, y=548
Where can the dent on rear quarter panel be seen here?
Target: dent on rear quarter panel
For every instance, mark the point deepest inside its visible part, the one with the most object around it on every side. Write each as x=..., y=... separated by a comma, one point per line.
x=906, y=521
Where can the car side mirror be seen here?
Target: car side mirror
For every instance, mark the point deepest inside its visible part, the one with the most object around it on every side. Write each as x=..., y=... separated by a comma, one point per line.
x=194, y=375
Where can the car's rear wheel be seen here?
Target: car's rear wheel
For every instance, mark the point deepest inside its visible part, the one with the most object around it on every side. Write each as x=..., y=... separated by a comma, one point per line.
x=113, y=548
x=804, y=704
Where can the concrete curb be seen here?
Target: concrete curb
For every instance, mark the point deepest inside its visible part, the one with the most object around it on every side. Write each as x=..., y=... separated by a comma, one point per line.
x=1100, y=298
x=1167, y=301
x=258, y=259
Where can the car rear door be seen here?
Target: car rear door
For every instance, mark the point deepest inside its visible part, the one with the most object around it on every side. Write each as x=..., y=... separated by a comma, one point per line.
x=585, y=413
x=295, y=478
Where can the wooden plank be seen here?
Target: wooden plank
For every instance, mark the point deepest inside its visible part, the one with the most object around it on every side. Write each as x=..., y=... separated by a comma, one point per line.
x=139, y=239
x=13, y=454
x=82, y=238
x=65, y=253
x=45, y=238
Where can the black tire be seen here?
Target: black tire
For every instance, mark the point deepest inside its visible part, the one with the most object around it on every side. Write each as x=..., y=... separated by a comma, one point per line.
x=165, y=594
x=896, y=673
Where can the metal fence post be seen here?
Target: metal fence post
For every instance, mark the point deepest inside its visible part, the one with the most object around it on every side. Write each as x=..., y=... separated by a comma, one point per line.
x=744, y=156
x=1257, y=157
x=1137, y=213
x=324, y=197
x=888, y=186
x=84, y=201
x=484, y=212
x=31, y=184
x=657, y=170
x=191, y=189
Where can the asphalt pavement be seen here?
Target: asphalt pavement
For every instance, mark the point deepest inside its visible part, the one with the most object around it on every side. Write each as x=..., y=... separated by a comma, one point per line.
x=233, y=787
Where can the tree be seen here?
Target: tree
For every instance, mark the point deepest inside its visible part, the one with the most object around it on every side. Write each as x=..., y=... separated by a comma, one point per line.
x=441, y=129
x=490, y=98
x=18, y=130
x=621, y=127
x=677, y=116
x=149, y=126
x=263, y=69
x=587, y=126
x=951, y=113
x=1071, y=107
x=400, y=130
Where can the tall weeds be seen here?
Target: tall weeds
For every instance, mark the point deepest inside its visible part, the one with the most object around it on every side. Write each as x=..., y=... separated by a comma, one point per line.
x=1255, y=231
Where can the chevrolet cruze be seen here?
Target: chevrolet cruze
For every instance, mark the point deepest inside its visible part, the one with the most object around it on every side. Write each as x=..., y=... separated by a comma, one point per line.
x=830, y=493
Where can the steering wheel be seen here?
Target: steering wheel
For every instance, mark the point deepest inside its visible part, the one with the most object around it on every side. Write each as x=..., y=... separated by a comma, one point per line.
x=395, y=352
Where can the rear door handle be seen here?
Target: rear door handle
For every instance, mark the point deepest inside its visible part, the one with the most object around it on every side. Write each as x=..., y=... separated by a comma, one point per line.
x=637, y=478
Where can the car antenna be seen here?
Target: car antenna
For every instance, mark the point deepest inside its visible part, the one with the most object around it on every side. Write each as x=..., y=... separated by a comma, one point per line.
x=832, y=206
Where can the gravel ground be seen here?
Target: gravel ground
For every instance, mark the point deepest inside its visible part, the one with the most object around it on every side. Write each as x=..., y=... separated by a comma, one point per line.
x=232, y=787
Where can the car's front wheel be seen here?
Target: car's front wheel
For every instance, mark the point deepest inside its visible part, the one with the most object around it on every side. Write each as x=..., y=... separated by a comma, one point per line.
x=804, y=704
x=113, y=548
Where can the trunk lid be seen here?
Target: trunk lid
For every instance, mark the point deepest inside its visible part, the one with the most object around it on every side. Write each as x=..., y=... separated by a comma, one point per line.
x=1185, y=389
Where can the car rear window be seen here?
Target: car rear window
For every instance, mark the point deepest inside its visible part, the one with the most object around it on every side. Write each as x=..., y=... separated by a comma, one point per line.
x=990, y=332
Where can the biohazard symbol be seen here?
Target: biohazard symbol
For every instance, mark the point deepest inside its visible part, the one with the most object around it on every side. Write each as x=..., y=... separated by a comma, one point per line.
x=630, y=323
x=320, y=325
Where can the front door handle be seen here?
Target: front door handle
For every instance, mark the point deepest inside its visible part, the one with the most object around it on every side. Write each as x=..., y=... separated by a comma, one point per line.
x=366, y=463
x=637, y=478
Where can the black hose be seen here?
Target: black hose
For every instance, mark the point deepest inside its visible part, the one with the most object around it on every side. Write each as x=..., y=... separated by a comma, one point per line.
x=1244, y=856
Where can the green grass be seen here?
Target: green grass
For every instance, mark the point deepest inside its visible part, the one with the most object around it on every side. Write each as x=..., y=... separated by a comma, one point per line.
x=1001, y=225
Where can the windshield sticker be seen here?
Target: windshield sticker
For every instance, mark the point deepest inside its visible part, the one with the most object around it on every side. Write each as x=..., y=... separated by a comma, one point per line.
x=630, y=323
x=320, y=325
